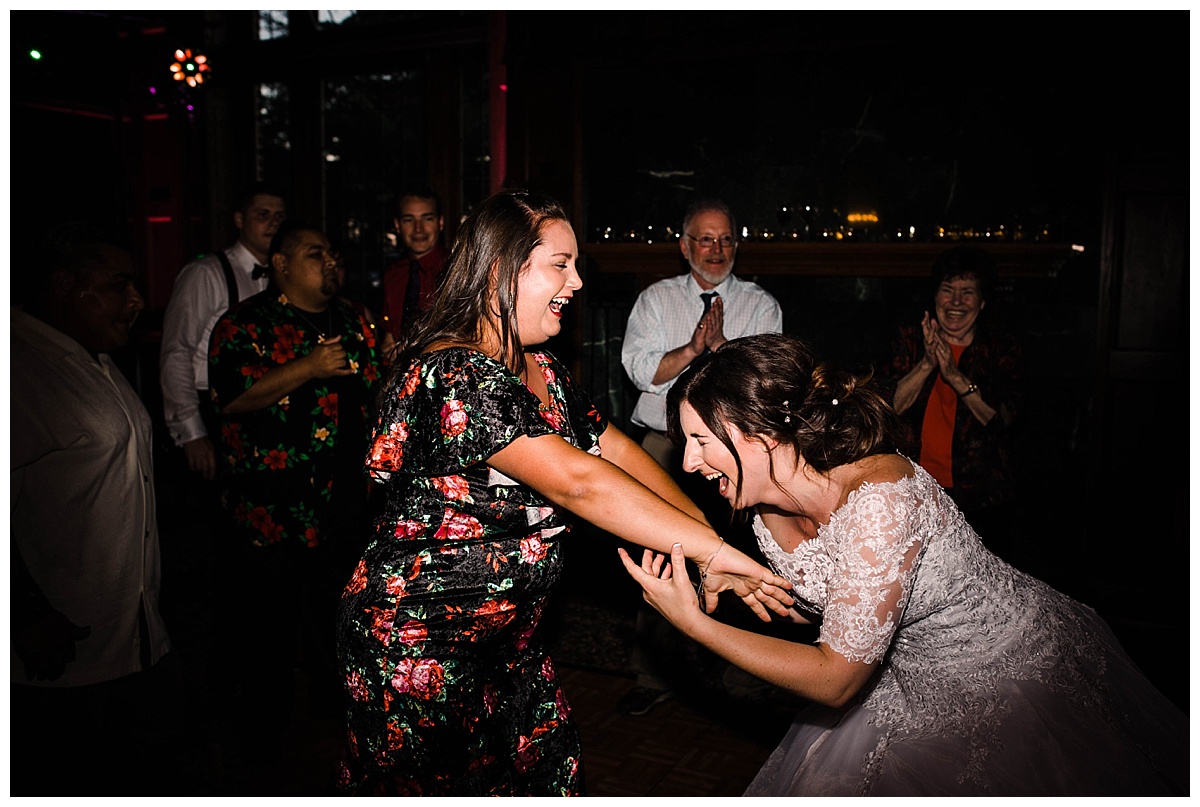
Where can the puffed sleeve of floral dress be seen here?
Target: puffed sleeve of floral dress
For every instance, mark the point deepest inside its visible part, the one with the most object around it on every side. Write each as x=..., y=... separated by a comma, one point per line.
x=875, y=552
x=450, y=410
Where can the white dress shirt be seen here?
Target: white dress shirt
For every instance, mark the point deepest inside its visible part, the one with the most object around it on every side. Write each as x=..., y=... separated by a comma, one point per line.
x=664, y=318
x=198, y=299
x=82, y=499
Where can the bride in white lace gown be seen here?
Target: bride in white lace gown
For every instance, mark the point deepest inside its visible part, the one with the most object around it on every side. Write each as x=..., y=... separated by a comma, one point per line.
x=940, y=669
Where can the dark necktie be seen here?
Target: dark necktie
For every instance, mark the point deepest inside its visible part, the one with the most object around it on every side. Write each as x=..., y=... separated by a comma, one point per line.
x=258, y=271
x=412, y=295
x=707, y=297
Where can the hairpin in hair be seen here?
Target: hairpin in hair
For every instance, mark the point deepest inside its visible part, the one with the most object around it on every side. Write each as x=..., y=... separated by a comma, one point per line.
x=786, y=417
x=835, y=401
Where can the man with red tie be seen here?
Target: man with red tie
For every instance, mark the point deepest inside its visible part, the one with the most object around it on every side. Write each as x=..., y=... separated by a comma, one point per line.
x=410, y=284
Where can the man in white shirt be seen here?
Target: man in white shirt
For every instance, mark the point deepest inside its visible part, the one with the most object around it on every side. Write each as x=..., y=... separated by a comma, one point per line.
x=673, y=322
x=203, y=291
x=85, y=576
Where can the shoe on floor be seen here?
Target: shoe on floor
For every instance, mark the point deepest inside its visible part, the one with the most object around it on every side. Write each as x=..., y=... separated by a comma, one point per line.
x=640, y=700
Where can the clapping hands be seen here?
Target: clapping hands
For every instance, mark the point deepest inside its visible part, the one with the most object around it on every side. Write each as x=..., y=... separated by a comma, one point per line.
x=710, y=330
x=938, y=355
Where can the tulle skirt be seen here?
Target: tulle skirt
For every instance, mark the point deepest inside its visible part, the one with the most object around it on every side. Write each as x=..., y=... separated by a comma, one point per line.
x=1124, y=739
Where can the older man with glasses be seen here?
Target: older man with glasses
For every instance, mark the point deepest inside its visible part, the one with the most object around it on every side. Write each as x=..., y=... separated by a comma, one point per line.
x=673, y=322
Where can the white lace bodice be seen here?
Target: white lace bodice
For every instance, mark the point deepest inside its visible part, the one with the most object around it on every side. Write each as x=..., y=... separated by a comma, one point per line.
x=898, y=575
x=859, y=569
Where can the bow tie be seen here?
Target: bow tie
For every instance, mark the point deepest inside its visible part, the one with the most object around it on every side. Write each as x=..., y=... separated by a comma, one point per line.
x=258, y=271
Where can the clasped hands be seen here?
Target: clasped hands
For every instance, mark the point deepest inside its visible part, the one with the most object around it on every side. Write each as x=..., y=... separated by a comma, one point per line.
x=710, y=330
x=938, y=355
x=666, y=585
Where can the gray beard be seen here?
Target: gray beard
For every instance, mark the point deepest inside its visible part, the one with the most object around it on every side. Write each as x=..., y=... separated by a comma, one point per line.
x=709, y=278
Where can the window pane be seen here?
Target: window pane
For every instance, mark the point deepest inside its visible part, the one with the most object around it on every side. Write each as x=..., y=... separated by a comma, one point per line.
x=476, y=144
x=336, y=17
x=375, y=144
x=274, y=124
x=272, y=25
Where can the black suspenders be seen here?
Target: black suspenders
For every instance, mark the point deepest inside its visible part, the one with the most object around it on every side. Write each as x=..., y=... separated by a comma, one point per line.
x=230, y=280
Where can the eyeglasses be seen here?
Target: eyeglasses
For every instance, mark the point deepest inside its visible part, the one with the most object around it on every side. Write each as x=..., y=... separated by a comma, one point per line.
x=708, y=242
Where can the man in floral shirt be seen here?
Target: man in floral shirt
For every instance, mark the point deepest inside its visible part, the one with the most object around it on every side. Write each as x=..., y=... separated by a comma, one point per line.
x=292, y=370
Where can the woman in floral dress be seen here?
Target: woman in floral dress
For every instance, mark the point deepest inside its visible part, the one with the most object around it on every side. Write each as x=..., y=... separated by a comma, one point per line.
x=482, y=442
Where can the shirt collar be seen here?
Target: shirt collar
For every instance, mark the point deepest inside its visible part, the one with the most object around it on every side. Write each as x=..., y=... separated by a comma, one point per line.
x=241, y=257
x=723, y=288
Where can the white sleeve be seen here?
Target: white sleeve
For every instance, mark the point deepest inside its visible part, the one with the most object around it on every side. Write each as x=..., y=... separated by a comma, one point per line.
x=645, y=343
x=874, y=566
x=198, y=298
x=771, y=320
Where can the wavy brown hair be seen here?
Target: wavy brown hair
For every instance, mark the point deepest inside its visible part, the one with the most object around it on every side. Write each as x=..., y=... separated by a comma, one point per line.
x=773, y=386
x=478, y=291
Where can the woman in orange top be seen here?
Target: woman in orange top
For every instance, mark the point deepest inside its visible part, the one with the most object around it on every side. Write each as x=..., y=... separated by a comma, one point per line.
x=956, y=386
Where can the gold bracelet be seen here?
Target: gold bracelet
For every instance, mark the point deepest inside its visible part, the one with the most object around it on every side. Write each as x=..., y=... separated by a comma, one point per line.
x=970, y=388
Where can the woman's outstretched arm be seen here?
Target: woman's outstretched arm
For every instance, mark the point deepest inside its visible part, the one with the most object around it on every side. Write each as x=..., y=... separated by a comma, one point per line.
x=815, y=672
x=609, y=497
x=623, y=452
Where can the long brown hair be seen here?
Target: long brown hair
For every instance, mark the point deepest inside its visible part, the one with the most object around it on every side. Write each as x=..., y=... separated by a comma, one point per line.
x=478, y=292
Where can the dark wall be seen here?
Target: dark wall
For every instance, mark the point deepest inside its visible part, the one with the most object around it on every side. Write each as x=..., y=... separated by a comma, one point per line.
x=966, y=118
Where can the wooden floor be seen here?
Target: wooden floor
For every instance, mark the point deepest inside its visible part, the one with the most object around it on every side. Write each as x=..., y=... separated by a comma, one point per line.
x=709, y=740
x=687, y=746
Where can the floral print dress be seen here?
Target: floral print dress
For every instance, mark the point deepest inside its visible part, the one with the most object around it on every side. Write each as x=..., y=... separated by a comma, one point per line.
x=451, y=692
x=287, y=468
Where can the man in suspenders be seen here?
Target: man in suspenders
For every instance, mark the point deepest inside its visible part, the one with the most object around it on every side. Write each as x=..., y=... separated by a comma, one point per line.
x=203, y=291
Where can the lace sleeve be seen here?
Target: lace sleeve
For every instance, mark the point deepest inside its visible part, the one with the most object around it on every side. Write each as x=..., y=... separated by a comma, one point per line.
x=875, y=552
